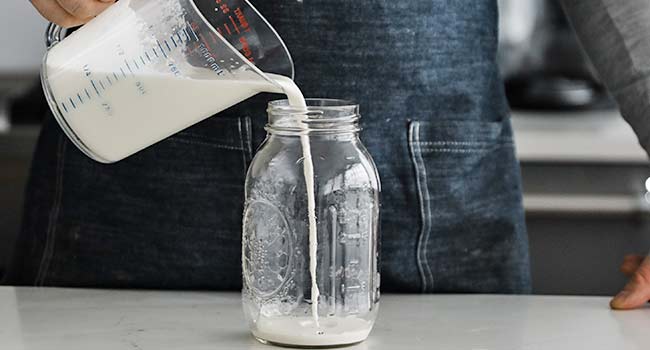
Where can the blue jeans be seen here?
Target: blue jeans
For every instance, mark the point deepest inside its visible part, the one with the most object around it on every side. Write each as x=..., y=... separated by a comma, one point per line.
x=436, y=122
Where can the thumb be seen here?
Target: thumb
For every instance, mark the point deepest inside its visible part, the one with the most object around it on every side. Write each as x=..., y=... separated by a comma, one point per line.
x=637, y=291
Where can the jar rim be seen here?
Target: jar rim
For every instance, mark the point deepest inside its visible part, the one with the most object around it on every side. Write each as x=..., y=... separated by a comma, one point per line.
x=318, y=104
x=322, y=115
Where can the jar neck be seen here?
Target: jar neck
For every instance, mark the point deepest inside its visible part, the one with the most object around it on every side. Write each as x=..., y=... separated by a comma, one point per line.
x=321, y=117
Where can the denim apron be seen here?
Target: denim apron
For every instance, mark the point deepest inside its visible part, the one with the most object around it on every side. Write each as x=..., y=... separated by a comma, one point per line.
x=435, y=120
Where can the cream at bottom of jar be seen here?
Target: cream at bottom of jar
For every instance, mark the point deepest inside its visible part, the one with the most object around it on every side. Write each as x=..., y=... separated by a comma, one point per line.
x=303, y=331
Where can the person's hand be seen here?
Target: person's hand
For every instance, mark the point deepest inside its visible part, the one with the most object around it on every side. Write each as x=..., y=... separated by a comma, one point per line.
x=637, y=291
x=70, y=13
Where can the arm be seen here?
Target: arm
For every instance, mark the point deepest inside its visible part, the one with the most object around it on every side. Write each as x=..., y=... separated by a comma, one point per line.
x=616, y=36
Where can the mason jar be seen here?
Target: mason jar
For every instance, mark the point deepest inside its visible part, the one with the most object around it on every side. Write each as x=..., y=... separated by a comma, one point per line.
x=277, y=291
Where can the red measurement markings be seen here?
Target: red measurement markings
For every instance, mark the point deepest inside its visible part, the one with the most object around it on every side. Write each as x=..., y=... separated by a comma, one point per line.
x=246, y=49
x=234, y=24
x=222, y=6
x=225, y=25
x=243, y=22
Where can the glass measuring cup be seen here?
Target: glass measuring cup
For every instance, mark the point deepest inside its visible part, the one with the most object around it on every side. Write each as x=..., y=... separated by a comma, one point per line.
x=145, y=69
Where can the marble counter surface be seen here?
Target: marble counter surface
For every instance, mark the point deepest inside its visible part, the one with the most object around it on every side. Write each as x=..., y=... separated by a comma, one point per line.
x=50, y=319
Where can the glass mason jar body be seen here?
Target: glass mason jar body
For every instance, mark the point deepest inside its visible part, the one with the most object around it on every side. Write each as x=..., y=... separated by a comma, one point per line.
x=277, y=292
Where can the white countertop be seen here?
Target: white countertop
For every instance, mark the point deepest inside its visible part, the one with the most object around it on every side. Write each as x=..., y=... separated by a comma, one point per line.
x=590, y=136
x=39, y=319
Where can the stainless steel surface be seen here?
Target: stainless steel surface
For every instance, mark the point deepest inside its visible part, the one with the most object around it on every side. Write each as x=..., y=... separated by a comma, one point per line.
x=585, y=197
x=585, y=204
x=582, y=219
x=581, y=255
x=576, y=137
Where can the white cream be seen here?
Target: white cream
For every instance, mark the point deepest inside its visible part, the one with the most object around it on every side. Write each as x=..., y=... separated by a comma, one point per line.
x=303, y=331
x=120, y=120
x=296, y=100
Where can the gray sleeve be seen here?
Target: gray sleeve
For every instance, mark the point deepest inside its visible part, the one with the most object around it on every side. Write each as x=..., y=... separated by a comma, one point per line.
x=616, y=36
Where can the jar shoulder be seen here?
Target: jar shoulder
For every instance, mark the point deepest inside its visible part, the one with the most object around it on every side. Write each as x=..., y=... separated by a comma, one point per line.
x=345, y=161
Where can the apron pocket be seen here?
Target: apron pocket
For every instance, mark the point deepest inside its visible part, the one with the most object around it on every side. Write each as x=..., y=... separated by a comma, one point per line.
x=468, y=184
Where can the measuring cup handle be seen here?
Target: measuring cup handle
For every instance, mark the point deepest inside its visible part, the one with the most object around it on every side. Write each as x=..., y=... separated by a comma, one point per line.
x=53, y=34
